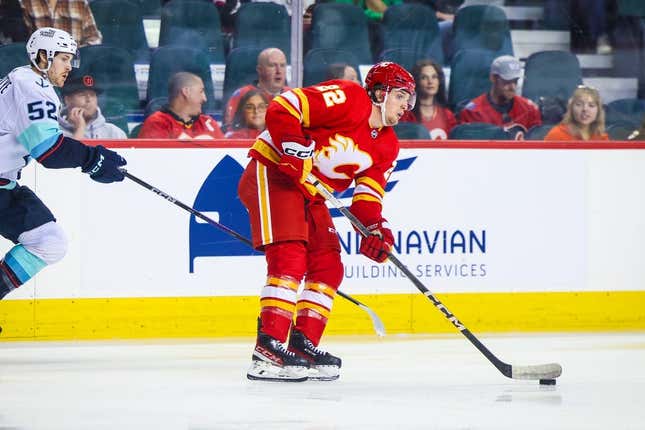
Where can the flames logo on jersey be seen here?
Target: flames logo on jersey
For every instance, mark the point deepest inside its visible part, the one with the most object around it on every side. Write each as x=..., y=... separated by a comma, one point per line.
x=341, y=158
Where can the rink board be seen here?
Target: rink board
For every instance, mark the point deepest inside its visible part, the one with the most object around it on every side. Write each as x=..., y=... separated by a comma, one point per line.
x=511, y=236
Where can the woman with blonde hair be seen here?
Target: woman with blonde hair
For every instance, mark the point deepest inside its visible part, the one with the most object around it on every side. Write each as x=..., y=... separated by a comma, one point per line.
x=584, y=119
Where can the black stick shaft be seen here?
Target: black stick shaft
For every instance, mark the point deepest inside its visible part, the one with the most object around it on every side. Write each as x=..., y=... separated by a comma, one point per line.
x=505, y=368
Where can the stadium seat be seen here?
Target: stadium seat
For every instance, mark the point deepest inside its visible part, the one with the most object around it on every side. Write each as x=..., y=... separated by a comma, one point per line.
x=150, y=8
x=407, y=58
x=411, y=130
x=414, y=27
x=317, y=61
x=121, y=24
x=341, y=26
x=631, y=8
x=193, y=24
x=168, y=60
x=538, y=132
x=478, y=131
x=621, y=130
x=113, y=70
x=262, y=25
x=240, y=70
x=630, y=111
x=11, y=56
x=470, y=76
x=551, y=74
x=482, y=27
x=114, y=111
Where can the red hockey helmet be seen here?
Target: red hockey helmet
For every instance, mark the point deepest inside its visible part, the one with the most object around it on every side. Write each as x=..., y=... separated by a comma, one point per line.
x=389, y=76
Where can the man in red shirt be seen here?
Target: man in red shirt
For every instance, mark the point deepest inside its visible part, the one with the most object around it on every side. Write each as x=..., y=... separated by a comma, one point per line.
x=342, y=133
x=501, y=106
x=272, y=77
x=182, y=117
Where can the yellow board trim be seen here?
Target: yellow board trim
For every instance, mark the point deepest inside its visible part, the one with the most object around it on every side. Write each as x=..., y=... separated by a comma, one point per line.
x=183, y=317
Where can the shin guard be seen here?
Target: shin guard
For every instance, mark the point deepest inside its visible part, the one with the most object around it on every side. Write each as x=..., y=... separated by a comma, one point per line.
x=18, y=266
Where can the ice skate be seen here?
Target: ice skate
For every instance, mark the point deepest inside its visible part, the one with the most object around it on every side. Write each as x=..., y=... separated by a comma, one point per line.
x=271, y=361
x=323, y=365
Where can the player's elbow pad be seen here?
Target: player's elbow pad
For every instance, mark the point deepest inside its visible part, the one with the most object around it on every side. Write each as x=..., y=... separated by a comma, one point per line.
x=66, y=153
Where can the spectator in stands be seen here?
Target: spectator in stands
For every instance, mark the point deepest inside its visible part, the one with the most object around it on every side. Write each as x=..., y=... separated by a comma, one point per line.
x=272, y=77
x=431, y=107
x=248, y=120
x=584, y=119
x=501, y=106
x=73, y=16
x=343, y=71
x=81, y=116
x=182, y=117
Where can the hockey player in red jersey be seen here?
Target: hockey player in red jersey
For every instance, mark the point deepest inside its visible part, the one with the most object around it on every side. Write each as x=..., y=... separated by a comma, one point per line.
x=341, y=133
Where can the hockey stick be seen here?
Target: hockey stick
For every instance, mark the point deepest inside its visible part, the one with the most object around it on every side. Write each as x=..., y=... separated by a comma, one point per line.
x=533, y=372
x=379, y=328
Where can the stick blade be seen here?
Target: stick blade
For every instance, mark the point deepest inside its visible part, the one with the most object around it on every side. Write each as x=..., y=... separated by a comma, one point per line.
x=536, y=372
x=379, y=328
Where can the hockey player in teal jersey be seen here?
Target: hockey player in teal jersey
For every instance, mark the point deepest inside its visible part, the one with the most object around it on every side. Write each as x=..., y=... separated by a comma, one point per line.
x=29, y=129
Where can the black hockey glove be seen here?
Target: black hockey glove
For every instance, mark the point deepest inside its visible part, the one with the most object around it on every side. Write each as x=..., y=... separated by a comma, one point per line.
x=104, y=165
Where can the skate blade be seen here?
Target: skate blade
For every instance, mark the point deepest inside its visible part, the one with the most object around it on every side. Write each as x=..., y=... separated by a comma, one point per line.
x=265, y=371
x=324, y=373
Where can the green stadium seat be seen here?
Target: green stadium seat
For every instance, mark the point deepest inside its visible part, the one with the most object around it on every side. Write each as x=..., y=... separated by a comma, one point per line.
x=411, y=130
x=262, y=25
x=538, y=132
x=317, y=61
x=630, y=111
x=113, y=70
x=341, y=26
x=413, y=27
x=121, y=24
x=551, y=74
x=193, y=24
x=478, y=131
x=469, y=76
x=482, y=27
x=240, y=69
x=168, y=60
x=11, y=56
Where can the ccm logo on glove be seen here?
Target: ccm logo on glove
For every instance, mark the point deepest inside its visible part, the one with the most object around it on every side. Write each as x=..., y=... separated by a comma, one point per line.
x=295, y=149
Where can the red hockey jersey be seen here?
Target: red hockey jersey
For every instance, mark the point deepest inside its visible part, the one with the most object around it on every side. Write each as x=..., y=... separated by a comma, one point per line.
x=163, y=125
x=335, y=114
x=523, y=115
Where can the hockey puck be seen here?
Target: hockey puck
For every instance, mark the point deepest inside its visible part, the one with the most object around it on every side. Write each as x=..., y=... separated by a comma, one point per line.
x=547, y=381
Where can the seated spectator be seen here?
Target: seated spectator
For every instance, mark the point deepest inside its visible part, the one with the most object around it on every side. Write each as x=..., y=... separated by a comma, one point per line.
x=272, y=77
x=73, y=16
x=81, y=116
x=182, y=117
x=248, y=121
x=430, y=108
x=501, y=106
x=342, y=71
x=374, y=9
x=584, y=119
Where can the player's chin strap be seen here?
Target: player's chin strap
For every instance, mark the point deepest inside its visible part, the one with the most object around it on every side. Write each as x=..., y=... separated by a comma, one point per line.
x=379, y=328
x=536, y=372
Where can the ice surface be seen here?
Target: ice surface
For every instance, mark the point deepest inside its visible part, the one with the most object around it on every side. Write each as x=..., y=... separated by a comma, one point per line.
x=398, y=382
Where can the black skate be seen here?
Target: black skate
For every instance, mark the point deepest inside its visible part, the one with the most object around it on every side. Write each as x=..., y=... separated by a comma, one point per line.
x=323, y=365
x=272, y=362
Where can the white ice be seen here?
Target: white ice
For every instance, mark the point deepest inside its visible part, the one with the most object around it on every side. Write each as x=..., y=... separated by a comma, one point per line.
x=399, y=382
